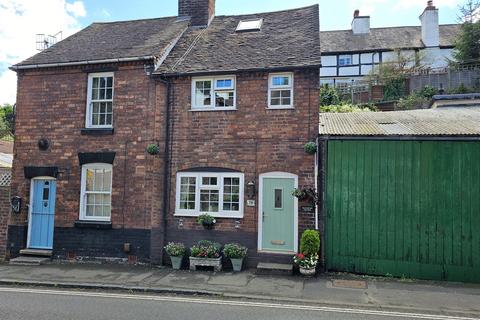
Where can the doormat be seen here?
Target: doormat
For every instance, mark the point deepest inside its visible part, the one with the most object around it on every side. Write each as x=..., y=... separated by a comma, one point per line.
x=350, y=284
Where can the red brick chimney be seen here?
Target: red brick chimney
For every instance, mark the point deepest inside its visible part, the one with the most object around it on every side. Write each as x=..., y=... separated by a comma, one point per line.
x=201, y=12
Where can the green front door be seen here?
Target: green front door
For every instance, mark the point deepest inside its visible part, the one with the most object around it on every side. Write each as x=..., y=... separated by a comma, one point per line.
x=278, y=224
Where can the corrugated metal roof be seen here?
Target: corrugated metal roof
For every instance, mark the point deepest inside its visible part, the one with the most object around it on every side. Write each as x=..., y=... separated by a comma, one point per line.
x=448, y=121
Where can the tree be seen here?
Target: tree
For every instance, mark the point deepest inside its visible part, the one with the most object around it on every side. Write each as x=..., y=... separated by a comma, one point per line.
x=7, y=120
x=467, y=45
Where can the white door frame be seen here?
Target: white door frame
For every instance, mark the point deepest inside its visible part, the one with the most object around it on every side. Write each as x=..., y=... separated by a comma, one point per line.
x=30, y=205
x=276, y=175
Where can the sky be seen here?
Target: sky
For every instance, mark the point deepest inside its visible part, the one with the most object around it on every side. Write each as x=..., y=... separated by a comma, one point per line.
x=21, y=20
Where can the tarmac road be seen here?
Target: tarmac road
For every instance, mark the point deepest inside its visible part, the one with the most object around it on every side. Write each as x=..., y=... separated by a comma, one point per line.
x=19, y=303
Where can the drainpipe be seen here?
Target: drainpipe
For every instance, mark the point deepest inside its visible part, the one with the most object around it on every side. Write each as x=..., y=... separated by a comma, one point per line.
x=166, y=164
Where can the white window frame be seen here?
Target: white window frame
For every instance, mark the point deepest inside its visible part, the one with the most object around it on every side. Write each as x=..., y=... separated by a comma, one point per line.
x=213, y=89
x=88, y=118
x=272, y=87
x=83, y=194
x=342, y=56
x=220, y=180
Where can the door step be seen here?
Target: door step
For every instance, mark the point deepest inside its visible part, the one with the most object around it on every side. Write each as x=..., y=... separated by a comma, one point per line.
x=274, y=268
x=28, y=261
x=36, y=252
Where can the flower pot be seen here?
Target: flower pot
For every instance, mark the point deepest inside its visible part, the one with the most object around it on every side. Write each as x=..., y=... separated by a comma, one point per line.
x=308, y=272
x=216, y=263
x=209, y=226
x=176, y=262
x=237, y=264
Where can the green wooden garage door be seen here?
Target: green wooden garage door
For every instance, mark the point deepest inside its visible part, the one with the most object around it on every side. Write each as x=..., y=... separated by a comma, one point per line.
x=404, y=208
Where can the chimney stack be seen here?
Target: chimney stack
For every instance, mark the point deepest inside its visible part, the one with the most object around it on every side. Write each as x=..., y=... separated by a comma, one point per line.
x=360, y=24
x=201, y=12
x=430, y=27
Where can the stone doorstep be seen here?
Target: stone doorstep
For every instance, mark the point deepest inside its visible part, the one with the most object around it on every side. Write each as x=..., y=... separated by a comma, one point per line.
x=28, y=261
x=36, y=252
x=274, y=268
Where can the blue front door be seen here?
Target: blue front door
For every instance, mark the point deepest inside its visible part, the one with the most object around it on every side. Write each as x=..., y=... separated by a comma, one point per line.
x=42, y=214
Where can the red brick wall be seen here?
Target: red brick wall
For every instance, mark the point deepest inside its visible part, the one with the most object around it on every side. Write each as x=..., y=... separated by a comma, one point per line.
x=51, y=104
x=251, y=139
x=4, y=214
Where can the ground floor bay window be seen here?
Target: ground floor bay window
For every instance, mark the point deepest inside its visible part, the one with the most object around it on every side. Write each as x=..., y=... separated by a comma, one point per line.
x=219, y=194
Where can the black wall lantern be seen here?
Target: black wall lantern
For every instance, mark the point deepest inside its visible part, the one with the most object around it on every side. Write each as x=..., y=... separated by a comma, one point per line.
x=251, y=189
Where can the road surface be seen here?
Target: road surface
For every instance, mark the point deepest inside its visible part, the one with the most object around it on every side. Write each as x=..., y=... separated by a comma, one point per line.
x=20, y=303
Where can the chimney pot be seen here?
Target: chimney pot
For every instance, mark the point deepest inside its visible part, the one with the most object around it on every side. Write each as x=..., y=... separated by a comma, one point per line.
x=356, y=13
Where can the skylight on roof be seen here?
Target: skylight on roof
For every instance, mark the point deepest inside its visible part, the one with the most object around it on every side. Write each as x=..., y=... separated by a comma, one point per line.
x=249, y=25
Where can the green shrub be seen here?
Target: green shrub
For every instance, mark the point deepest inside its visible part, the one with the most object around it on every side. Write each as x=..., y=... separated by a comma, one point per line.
x=344, y=108
x=413, y=101
x=461, y=89
x=234, y=251
x=428, y=92
x=310, y=242
x=329, y=95
x=394, y=88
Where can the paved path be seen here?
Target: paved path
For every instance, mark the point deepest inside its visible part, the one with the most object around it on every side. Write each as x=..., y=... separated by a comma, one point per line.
x=41, y=304
x=385, y=294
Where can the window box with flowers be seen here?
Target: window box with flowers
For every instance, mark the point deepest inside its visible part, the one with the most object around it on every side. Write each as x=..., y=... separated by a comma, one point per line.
x=206, y=254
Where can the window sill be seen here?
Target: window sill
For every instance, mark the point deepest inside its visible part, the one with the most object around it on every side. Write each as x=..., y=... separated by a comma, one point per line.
x=218, y=215
x=212, y=109
x=96, y=131
x=280, y=108
x=87, y=224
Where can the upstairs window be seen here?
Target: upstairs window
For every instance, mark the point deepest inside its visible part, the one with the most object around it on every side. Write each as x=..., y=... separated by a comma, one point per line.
x=280, y=90
x=215, y=193
x=100, y=100
x=345, y=60
x=216, y=93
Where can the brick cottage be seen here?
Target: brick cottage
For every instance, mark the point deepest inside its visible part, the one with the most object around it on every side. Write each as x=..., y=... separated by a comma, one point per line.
x=229, y=100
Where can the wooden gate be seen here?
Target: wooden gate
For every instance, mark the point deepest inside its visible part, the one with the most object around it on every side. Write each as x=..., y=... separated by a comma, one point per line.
x=404, y=208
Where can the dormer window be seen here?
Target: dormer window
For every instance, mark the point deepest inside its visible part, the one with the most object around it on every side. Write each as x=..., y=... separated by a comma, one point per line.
x=249, y=25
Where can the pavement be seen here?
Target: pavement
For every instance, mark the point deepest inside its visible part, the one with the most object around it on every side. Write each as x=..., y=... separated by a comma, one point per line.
x=329, y=289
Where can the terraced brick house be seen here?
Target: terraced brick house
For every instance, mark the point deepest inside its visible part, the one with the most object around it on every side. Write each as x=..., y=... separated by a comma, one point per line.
x=229, y=100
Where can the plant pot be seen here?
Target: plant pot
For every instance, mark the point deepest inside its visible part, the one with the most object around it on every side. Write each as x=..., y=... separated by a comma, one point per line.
x=237, y=264
x=308, y=272
x=209, y=226
x=176, y=262
x=216, y=263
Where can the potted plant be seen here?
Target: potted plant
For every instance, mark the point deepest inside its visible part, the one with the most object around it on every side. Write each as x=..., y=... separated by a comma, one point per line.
x=206, y=220
x=305, y=194
x=206, y=253
x=306, y=264
x=176, y=251
x=307, y=259
x=236, y=253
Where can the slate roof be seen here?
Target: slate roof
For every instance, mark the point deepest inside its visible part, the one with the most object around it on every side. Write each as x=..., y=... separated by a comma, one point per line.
x=114, y=40
x=287, y=38
x=383, y=39
x=445, y=121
